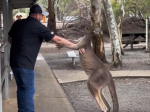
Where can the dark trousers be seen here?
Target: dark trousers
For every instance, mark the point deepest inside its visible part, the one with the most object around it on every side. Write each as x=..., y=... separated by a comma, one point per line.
x=25, y=89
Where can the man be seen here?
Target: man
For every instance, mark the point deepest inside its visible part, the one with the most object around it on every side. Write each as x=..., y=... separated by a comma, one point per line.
x=26, y=37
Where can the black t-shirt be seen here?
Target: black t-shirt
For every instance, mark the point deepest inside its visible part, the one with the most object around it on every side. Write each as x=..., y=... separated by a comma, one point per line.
x=27, y=36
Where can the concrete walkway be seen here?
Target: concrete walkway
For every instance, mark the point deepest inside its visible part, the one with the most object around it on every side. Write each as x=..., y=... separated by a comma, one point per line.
x=49, y=96
x=72, y=76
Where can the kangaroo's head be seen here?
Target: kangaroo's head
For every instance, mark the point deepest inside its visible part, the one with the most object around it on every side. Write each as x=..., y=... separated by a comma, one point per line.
x=89, y=31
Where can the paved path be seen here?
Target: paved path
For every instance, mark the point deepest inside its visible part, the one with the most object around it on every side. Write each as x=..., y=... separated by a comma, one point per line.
x=49, y=96
x=65, y=76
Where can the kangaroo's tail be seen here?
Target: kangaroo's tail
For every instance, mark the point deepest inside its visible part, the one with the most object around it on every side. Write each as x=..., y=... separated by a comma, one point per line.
x=113, y=93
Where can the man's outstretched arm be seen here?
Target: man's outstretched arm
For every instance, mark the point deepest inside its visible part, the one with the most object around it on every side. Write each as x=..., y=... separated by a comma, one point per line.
x=61, y=42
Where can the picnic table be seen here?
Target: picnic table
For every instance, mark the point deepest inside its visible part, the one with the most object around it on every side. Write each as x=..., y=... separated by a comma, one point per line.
x=72, y=54
x=132, y=38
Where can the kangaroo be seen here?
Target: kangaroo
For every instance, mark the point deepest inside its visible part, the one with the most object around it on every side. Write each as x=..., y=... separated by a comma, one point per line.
x=98, y=75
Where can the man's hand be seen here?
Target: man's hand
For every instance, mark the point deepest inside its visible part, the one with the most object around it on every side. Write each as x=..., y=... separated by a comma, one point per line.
x=59, y=46
x=82, y=50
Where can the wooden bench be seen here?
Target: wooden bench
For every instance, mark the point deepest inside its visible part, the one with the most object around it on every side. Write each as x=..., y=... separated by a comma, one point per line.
x=127, y=42
x=72, y=54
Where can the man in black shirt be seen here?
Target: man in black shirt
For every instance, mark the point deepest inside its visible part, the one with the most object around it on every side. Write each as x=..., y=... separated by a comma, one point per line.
x=26, y=37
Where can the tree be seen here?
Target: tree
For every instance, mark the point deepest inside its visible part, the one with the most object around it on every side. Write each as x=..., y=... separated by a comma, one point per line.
x=82, y=8
x=51, y=18
x=113, y=31
x=44, y=3
x=138, y=8
x=121, y=16
x=65, y=8
x=97, y=40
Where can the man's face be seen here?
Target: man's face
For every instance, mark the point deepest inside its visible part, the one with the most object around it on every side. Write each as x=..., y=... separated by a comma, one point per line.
x=39, y=17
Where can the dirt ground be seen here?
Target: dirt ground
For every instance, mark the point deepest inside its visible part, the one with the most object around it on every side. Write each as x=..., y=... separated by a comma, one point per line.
x=133, y=96
x=133, y=93
x=136, y=59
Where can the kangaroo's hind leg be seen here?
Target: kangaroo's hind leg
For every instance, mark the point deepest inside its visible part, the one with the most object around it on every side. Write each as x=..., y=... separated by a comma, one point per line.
x=97, y=94
x=105, y=101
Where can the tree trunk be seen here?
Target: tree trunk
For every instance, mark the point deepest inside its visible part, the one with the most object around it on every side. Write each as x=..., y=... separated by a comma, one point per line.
x=97, y=40
x=122, y=13
x=79, y=8
x=113, y=31
x=58, y=14
x=51, y=19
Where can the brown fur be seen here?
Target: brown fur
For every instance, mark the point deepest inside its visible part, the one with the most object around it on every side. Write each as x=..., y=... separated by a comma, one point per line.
x=99, y=75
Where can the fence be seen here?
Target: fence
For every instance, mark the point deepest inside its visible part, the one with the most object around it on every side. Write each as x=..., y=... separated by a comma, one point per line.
x=4, y=72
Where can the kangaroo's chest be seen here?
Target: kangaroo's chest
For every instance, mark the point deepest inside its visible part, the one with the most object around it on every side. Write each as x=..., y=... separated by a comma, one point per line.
x=89, y=61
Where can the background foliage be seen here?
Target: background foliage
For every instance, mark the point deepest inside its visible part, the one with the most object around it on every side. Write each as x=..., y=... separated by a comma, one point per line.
x=138, y=8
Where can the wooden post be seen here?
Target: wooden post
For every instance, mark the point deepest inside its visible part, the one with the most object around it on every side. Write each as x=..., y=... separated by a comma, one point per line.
x=131, y=41
x=147, y=47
